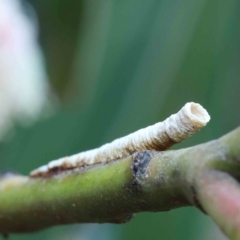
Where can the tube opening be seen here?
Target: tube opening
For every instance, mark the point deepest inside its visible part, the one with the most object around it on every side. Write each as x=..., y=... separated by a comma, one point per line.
x=199, y=113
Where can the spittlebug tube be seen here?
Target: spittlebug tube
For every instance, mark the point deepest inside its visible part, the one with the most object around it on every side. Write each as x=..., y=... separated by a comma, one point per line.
x=160, y=136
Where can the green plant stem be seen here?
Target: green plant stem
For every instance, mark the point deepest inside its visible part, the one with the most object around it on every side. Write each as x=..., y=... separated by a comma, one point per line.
x=145, y=181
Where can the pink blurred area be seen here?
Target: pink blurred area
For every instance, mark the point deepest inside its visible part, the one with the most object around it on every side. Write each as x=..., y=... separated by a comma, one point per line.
x=16, y=30
x=24, y=89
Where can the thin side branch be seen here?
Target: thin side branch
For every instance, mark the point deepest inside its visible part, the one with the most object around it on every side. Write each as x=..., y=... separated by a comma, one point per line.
x=204, y=176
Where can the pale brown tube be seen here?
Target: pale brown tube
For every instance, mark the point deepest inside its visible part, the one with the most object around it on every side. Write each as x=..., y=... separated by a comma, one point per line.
x=160, y=136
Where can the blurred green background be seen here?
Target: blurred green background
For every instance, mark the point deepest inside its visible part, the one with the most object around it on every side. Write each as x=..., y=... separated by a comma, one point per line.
x=118, y=66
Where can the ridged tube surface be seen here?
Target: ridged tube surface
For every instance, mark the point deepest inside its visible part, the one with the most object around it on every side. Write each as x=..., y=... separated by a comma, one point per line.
x=160, y=136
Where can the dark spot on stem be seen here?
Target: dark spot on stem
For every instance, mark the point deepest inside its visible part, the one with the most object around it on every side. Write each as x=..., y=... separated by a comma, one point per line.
x=140, y=162
x=139, y=166
x=195, y=199
x=134, y=187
